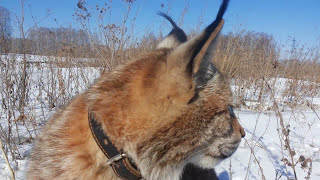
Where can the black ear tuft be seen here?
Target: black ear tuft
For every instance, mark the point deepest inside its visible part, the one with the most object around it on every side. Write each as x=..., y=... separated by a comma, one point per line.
x=193, y=59
x=215, y=25
x=176, y=31
x=200, y=51
x=175, y=37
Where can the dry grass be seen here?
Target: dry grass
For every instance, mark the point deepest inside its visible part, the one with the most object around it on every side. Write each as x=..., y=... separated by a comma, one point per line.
x=251, y=60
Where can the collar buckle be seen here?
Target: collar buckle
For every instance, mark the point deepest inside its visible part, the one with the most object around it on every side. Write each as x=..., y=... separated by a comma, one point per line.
x=119, y=161
x=116, y=158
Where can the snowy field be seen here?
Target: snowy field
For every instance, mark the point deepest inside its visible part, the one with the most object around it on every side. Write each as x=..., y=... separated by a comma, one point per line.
x=262, y=154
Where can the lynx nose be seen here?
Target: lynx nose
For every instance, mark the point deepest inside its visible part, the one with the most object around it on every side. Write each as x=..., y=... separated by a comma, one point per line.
x=242, y=132
x=238, y=129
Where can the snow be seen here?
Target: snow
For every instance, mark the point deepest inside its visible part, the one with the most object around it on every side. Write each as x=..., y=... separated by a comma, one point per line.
x=261, y=153
x=263, y=138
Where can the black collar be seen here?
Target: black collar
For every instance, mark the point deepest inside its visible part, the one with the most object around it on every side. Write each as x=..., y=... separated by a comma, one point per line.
x=118, y=160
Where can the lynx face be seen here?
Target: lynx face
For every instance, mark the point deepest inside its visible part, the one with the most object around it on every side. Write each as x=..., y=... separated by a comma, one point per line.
x=195, y=122
x=164, y=110
x=203, y=133
x=224, y=130
x=225, y=133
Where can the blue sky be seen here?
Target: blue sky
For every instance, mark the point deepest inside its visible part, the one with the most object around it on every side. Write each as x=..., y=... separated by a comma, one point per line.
x=283, y=19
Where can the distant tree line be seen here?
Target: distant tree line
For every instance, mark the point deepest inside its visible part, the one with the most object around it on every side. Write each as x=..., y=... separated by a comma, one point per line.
x=54, y=41
x=5, y=29
x=44, y=41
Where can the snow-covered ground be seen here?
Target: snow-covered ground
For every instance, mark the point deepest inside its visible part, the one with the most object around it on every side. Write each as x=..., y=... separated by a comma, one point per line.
x=261, y=155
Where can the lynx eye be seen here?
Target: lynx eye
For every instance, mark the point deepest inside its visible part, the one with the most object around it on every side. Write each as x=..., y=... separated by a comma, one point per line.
x=231, y=112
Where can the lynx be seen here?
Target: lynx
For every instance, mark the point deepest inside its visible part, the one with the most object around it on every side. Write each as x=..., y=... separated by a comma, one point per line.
x=148, y=119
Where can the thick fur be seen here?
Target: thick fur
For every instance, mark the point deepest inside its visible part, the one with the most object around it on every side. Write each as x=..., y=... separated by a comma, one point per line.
x=145, y=108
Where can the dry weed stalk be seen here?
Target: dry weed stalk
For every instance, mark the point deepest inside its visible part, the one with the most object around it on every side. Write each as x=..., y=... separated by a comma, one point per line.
x=256, y=160
x=252, y=150
x=284, y=135
x=7, y=161
x=252, y=60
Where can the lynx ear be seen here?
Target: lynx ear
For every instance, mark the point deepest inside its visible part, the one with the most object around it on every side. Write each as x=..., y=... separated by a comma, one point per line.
x=196, y=54
x=174, y=38
x=202, y=68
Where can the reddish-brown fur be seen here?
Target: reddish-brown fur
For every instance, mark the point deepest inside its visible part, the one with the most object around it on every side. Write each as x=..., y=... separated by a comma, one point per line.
x=138, y=101
x=144, y=106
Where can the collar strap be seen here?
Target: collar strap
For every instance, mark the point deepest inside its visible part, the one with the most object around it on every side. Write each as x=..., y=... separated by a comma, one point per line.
x=119, y=161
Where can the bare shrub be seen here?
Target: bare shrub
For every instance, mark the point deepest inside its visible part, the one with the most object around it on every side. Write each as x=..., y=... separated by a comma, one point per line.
x=68, y=60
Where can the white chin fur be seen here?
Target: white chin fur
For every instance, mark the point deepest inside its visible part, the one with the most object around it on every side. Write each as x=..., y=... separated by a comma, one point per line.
x=205, y=161
x=167, y=173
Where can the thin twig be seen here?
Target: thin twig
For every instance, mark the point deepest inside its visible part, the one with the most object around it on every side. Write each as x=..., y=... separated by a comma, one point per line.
x=256, y=159
x=285, y=131
x=7, y=161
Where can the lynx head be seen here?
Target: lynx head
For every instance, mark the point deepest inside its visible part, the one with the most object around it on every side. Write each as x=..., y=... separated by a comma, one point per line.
x=174, y=107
